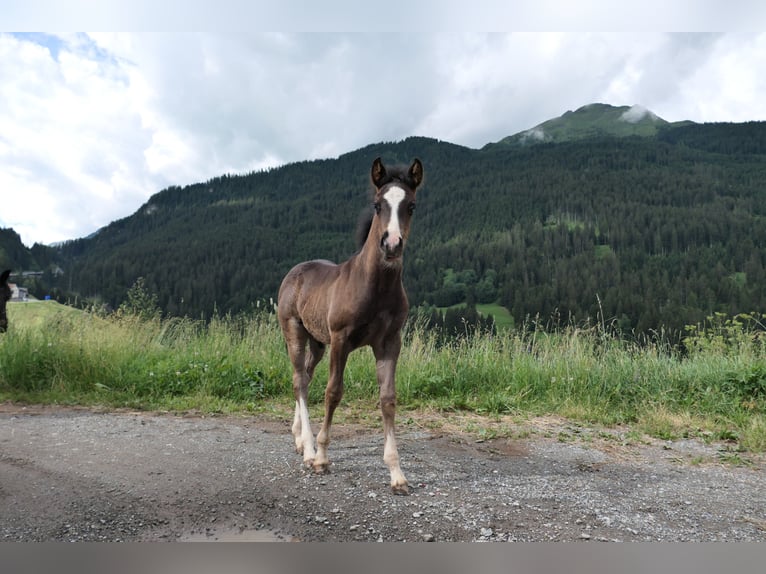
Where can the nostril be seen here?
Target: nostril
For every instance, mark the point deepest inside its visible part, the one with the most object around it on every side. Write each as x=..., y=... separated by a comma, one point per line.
x=391, y=244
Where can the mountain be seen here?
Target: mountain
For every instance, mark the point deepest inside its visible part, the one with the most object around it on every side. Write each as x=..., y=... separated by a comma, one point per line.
x=16, y=256
x=593, y=120
x=652, y=232
x=13, y=254
x=37, y=262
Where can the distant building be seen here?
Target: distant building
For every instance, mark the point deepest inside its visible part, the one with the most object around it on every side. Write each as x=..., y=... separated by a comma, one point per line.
x=18, y=293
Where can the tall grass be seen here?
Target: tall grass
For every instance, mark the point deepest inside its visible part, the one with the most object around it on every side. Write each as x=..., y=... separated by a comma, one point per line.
x=127, y=361
x=714, y=385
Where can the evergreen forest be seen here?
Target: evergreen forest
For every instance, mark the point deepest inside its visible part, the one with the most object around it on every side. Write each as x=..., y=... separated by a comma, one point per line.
x=648, y=233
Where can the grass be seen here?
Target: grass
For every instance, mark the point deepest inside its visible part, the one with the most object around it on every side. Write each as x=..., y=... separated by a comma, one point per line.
x=37, y=313
x=501, y=315
x=603, y=251
x=715, y=388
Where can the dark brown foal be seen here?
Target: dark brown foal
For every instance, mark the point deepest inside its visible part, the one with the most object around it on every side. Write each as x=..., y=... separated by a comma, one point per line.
x=356, y=303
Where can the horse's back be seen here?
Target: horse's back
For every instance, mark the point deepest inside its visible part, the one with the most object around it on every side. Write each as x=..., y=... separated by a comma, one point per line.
x=306, y=274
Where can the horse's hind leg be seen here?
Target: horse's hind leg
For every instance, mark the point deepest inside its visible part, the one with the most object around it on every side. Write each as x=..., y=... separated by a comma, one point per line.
x=296, y=337
x=316, y=351
x=315, y=354
x=339, y=351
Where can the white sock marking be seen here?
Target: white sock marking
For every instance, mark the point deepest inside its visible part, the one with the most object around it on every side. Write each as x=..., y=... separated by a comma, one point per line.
x=391, y=458
x=308, y=438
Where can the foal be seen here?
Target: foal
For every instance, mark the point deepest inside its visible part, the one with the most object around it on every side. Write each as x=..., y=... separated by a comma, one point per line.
x=356, y=303
x=5, y=295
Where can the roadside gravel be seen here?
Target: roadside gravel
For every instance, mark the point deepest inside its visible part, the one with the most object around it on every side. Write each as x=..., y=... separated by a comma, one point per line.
x=82, y=475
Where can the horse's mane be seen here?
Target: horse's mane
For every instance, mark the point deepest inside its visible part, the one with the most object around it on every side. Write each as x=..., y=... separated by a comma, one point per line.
x=398, y=173
x=363, y=225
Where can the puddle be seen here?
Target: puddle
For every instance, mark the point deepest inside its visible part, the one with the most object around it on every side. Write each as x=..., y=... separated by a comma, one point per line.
x=214, y=535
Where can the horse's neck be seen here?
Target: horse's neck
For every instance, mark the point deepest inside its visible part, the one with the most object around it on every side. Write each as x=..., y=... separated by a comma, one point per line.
x=377, y=275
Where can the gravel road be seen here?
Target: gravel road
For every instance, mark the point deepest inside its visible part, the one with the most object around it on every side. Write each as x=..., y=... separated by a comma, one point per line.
x=82, y=475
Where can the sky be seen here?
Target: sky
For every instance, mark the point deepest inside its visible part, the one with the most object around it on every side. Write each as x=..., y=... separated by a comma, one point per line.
x=93, y=124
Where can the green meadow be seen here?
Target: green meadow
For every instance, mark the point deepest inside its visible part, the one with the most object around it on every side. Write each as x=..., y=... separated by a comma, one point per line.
x=713, y=388
x=500, y=314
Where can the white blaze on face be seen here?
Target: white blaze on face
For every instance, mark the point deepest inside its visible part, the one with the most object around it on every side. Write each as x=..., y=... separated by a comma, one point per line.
x=394, y=197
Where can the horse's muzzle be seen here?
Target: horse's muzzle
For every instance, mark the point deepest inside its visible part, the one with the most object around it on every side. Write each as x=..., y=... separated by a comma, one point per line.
x=392, y=249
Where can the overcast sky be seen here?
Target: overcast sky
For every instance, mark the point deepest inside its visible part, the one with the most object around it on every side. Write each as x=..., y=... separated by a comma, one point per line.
x=91, y=125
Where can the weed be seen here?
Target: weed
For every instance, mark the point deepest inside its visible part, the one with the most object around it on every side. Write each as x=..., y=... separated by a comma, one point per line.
x=564, y=436
x=734, y=458
x=714, y=388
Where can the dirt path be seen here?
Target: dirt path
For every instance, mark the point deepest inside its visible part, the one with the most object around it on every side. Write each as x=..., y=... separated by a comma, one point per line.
x=72, y=474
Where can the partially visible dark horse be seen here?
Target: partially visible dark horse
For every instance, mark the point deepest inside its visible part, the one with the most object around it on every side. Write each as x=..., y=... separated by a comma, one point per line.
x=5, y=295
x=356, y=303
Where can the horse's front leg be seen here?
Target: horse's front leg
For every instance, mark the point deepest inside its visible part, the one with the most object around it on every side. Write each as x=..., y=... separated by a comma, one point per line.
x=339, y=351
x=386, y=357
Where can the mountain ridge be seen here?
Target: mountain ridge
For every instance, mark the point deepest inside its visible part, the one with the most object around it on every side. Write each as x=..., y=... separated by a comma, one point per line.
x=651, y=231
x=591, y=120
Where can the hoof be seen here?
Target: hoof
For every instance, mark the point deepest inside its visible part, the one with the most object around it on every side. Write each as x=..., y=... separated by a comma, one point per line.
x=400, y=489
x=321, y=468
x=308, y=463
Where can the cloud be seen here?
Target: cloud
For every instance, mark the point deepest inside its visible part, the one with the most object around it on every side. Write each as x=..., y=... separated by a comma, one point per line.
x=728, y=86
x=92, y=124
x=69, y=138
x=637, y=113
x=117, y=117
x=496, y=85
x=699, y=77
x=259, y=98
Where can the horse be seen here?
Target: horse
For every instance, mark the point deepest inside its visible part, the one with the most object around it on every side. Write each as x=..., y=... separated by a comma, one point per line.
x=5, y=295
x=360, y=302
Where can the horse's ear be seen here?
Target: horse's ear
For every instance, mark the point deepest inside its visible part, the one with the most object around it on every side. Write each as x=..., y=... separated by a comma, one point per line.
x=5, y=275
x=378, y=172
x=416, y=173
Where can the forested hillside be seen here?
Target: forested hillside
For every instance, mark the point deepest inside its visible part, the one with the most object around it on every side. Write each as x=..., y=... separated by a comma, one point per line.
x=13, y=254
x=662, y=230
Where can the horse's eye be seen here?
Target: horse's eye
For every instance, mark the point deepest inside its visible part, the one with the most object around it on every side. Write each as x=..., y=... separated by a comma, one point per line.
x=411, y=208
x=376, y=205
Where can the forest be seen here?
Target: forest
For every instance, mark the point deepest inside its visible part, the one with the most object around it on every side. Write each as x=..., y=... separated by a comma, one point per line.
x=646, y=233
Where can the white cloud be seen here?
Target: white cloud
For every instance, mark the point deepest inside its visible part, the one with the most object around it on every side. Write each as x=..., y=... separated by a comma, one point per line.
x=497, y=85
x=636, y=113
x=69, y=140
x=536, y=133
x=730, y=85
x=92, y=125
